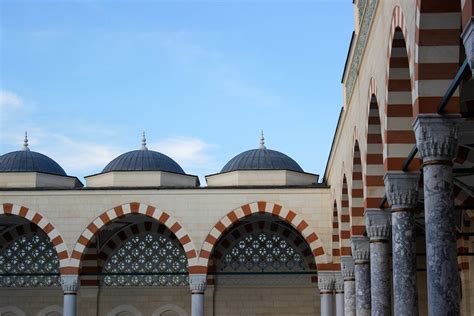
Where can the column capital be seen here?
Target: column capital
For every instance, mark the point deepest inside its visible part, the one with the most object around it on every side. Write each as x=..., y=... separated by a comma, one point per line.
x=378, y=224
x=468, y=40
x=401, y=189
x=436, y=136
x=326, y=281
x=70, y=284
x=339, y=284
x=347, y=267
x=360, y=249
x=198, y=283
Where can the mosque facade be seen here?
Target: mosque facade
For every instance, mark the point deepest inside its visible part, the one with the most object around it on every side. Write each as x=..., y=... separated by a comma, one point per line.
x=386, y=230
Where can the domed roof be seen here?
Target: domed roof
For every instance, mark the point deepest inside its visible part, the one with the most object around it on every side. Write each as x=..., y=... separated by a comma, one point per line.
x=143, y=160
x=262, y=159
x=26, y=160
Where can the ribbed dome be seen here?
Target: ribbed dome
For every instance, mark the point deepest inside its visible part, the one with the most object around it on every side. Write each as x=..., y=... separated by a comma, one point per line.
x=143, y=160
x=262, y=159
x=29, y=161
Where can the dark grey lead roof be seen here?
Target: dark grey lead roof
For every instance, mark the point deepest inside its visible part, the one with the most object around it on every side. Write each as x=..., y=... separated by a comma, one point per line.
x=29, y=161
x=143, y=160
x=262, y=159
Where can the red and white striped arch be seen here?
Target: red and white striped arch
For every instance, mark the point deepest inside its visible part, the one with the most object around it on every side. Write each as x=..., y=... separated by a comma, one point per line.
x=374, y=188
x=129, y=209
x=336, y=251
x=262, y=207
x=357, y=193
x=345, y=228
x=45, y=225
x=437, y=47
x=399, y=137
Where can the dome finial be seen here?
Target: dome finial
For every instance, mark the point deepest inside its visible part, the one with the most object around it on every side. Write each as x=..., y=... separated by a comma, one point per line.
x=143, y=147
x=262, y=141
x=25, y=142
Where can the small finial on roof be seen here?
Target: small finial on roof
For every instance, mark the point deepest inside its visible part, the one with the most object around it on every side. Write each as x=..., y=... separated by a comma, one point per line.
x=143, y=147
x=262, y=141
x=25, y=142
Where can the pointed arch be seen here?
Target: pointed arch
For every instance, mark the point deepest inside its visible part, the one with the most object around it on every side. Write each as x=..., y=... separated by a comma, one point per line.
x=45, y=225
x=357, y=193
x=399, y=137
x=289, y=216
x=126, y=209
x=345, y=229
x=336, y=251
x=374, y=189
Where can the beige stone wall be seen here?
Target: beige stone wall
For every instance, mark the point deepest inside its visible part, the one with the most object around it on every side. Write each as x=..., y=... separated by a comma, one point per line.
x=197, y=210
x=31, y=301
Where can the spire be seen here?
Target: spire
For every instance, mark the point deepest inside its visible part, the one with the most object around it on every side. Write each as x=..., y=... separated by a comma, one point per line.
x=25, y=142
x=143, y=146
x=262, y=141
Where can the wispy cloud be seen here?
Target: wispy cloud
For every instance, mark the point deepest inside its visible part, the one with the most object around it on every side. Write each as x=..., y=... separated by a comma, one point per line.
x=193, y=154
x=9, y=99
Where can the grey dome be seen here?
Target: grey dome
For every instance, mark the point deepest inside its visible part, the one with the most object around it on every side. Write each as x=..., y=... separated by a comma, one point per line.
x=29, y=161
x=143, y=160
x=261, y=159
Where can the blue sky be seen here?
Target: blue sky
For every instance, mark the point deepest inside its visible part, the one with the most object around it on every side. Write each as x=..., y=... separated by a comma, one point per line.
x=202, y=78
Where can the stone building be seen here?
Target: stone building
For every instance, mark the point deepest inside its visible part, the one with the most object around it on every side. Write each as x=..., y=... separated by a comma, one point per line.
x=385, y=231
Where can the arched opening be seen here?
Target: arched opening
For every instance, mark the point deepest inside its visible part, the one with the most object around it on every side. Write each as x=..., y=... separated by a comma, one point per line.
x=357, y=194
x=146, y=252
x=374, y=188
x=345, y=229
x=262, y=254
x=399, y=136
x=29, y=263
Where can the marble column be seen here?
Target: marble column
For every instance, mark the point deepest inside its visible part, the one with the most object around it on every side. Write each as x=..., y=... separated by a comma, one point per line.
x=347, y=270
x=70, y=285
x=339, y=291
x=361, y=253
x=468, y=40
x=197, y=284
x=378, y=227
x=436, y=139
x=402, y=194
x=326, y=281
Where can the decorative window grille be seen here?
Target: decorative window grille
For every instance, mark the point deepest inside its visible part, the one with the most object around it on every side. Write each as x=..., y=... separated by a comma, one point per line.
x=29, y=261
x=147, y=260
x=262, y=252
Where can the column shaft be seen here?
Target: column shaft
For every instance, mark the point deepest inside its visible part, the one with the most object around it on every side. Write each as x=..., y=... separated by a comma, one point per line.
x=362, y=276
x=70, y=286
x=326, y=304
x=339, y=303
x=380, y=278
x=404, y=263
x=441, y=251
x=349, y=297
x=197, y=304
x=69, y=304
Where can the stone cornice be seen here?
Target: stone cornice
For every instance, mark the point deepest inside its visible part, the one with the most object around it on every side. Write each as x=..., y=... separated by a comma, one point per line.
x=436, y=136
x=360, y=249
x=70, y=284
x=402, y=189
x=197, y=283
x=378, y=224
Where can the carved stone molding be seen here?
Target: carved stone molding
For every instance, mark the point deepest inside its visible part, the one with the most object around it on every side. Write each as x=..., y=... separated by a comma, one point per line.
x=347, y=267
x=339, y=284
x=360, y=249
x=436, y=136
x=378, y=224
x=197, y=283
x=326, y=281
x=70, y=284
x=401, y=189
